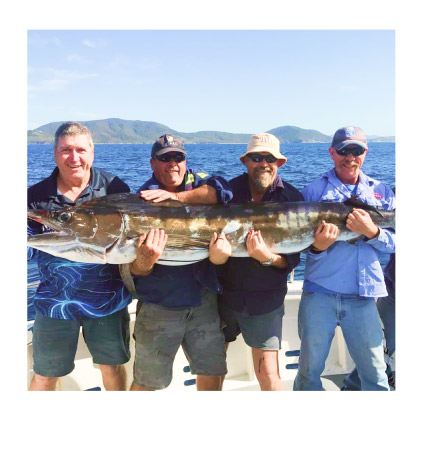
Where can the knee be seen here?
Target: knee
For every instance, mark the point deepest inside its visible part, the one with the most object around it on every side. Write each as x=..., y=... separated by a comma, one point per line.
x=110, y=370
x=267, y=371
x=39, y=382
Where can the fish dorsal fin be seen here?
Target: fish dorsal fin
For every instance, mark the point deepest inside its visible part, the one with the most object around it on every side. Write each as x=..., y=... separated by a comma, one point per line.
x=354, y=202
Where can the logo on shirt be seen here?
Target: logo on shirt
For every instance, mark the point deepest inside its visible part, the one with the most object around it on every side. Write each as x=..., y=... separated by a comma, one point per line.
x=378, y=196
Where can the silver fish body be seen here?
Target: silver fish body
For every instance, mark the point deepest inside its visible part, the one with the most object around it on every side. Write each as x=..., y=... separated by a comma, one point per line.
x=105, y=230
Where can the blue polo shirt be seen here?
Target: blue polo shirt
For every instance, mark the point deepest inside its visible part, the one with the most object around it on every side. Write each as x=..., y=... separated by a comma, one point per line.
x=245, y=281
x=182, y=286
x=73, y=290
x=350, y=268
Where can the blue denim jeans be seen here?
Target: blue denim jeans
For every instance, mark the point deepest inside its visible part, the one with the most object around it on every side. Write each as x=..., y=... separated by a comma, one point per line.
x=319, y=314
x=387, y=311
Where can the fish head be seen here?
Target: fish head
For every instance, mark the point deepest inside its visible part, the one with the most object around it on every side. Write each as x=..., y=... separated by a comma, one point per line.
x=77, y=234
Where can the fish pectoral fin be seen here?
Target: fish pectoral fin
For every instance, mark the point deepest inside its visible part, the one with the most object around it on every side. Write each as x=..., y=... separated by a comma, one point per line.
x=354, y=240
x=355, y=202
x=181, y=242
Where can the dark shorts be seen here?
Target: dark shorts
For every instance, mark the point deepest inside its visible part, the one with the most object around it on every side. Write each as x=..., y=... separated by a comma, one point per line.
x=258, y=331
x=55, y=342
x=160, y=331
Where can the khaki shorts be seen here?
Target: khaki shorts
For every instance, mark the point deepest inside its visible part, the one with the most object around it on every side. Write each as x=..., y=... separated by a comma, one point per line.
x=160, y=331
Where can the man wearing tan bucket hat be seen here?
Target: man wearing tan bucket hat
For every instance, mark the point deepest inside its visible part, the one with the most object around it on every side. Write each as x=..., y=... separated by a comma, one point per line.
x=252, y=302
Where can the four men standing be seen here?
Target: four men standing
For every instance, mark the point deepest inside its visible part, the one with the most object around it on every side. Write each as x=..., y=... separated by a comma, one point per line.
x=178, y=305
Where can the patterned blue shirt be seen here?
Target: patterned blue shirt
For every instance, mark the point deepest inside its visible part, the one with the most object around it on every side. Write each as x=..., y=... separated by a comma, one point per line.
x=72, y=290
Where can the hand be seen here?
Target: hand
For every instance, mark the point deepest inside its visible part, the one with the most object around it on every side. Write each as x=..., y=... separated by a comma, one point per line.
x=148, y=250
x=158, y=195
x=256, y=247
x=325, y=235
x=359, y=221
x=220, y=249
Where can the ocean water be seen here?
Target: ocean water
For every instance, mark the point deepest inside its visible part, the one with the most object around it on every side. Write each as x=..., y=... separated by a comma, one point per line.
x=130, y=162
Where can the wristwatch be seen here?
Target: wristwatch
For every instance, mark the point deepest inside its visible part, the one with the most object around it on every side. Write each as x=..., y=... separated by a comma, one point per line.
x=269, y=262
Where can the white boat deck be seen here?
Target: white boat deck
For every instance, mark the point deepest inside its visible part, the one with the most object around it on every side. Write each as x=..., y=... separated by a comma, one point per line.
x=86, y=375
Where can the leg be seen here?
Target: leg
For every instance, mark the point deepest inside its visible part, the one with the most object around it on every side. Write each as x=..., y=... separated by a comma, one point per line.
x=352, y=381
x=107, y=339
x=230, y=325
x=387, y=311
x=41, y=383
x=54, y=345
x=158, y=335
x=317, y=323
x=263, y=334
x=114, y=377
x=364, y=338
x=208, y=383
x=267, y=370
x=221, y=377
x=204, y=345
x=138, y=388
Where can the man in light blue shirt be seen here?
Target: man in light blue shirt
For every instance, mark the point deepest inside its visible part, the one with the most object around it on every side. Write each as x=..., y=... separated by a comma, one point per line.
x=342, y=280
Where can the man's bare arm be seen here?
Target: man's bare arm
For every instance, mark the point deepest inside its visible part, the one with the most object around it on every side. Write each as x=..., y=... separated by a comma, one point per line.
x=204, y=194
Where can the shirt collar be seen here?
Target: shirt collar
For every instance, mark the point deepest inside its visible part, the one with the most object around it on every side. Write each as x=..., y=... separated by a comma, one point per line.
x=363, y=182
x=93, y=184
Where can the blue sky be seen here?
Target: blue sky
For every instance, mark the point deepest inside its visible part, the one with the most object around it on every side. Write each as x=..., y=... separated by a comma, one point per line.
x=237, y=80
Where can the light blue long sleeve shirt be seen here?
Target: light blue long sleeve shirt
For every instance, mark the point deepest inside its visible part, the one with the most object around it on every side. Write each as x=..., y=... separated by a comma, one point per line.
x=351, y=268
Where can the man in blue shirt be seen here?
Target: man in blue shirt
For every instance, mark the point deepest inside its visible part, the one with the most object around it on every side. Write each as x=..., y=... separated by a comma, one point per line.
x=342, y=280
x=72, y=295
x=254, y=287
x=179, y=303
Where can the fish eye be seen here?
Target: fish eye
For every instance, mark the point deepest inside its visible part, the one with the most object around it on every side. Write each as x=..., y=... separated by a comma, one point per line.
x=64, y=217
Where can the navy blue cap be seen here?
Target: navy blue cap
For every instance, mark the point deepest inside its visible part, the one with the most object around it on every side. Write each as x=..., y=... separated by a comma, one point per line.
x=167, y=143
x=349, y=135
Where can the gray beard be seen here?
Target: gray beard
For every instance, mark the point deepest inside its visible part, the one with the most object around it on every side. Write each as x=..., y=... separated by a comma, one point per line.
x=264, y=180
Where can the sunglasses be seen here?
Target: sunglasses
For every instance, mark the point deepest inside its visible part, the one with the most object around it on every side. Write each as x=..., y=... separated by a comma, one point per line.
x=168, y=157
x=259, y=158
x=357, y=151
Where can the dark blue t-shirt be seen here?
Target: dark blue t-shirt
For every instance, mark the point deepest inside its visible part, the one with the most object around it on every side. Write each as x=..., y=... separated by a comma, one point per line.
x=245, y=281
x=182, y=286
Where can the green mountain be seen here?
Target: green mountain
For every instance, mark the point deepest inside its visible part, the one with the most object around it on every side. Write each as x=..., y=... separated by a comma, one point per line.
x=117, y=131
x=293, y=134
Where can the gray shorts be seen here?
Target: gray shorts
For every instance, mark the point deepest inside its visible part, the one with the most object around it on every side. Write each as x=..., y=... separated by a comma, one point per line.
x=160, y=331
x=55, y=342
x=258, y=331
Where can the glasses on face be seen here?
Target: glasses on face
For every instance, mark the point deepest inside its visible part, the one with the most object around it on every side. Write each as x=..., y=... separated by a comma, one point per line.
x=260, y=157
x=170, y=156
x=356, y=151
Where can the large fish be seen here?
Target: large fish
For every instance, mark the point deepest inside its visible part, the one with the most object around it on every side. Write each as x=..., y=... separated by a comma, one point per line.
x=105, y=230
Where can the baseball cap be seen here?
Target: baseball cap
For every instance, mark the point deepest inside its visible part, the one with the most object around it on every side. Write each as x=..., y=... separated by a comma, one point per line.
x=264, y=142
x=349, y=135
x=167, y=143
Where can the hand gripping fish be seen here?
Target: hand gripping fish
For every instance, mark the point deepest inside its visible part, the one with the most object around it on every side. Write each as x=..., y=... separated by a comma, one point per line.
x=106, y=229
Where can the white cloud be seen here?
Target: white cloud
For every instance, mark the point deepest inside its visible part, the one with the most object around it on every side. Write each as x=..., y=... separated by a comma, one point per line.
x=94, y=44
x=58, y=79
x=35, y=39
x=76, y=58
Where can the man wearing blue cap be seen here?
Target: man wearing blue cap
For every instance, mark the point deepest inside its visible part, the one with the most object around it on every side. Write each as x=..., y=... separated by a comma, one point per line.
x=342, y=280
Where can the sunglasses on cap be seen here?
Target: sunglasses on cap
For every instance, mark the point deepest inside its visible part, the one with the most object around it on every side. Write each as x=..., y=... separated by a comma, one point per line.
x=355, y=151
x=170, y=156
x=260, y=157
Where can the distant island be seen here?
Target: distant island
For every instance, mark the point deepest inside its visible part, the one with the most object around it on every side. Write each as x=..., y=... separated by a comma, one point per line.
x=117, y=131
